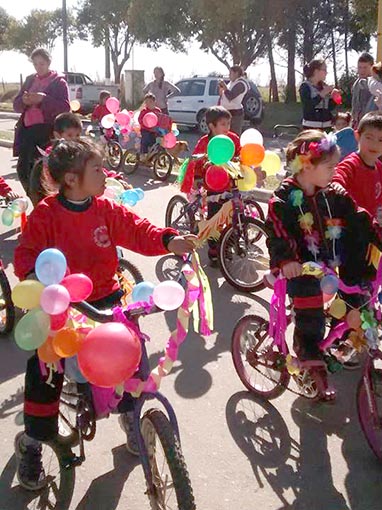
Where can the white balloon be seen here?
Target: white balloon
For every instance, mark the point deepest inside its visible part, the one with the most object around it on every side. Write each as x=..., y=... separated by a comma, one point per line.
x=251, y=136
x=108, y=121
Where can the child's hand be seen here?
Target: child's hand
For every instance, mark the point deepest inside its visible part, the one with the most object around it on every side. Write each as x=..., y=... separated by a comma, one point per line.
x=12, y=195
x=126, y=185
x=292, y=270
x=182, y=244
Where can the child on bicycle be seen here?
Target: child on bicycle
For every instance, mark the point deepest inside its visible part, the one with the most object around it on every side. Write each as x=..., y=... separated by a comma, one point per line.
x=87, y=228
x=100, y=109
x=149, y=135
x=310, y=220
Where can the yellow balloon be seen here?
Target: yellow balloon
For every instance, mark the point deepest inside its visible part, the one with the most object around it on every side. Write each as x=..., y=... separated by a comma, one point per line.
x=75, y=105
x=27, y=294
x=338, y=309
x=271, y=163
x=250, y=179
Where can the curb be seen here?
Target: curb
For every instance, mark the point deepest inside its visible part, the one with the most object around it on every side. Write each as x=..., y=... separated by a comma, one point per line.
x=9, y=115
x=6, y=143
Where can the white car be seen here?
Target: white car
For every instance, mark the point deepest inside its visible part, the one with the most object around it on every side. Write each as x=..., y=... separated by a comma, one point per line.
x=199, y=93
x=82, y=88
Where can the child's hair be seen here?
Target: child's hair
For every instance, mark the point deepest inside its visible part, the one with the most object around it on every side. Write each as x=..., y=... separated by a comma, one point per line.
x=43, y=53
x=370, y=120
x=150, y=95
x=66, y=121
x=346, y=116
x=238, y=70
x=104, y=94
x=377, y=69
x=314, y=65
x=215, y=113
x=312, y=144
x=366, y=58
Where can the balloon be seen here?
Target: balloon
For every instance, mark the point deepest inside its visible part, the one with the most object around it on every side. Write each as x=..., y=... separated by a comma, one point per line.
x=338, y=309
x=20, y=205
x=329, y=284
x=271, y=163
x=112, y=104
x=7, y=217
x=337, y=97
x=51, y=266
x=168, y=295
x=55, y=299
x=220, y=149
x=140, y=193
x=46, y=352
x=72, y=370
x=79, y=287
x=115, y=184
x=327, y=297
x=380, y=297
x=129, y=197
x=252, y=154
x=111, y=193
x=251, y=136
x=122, y=118
x=75, y=105
x=217, y=178
x=142, y=292
x=176, y=132
x=66, y=343
x=249, y=180
x=150, y=120
x=169, y=141
x=353, y=318
x=27, y=294
x=32, y=330
x=107, y=121
x=58, y=321
x=109, y=355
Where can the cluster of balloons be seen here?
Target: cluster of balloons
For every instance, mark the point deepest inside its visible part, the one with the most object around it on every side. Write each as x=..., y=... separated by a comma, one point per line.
x=123, y=123
x=14, y=210
x=253, y=153
x=166, y=138
x=116, y=191
x=167, y=295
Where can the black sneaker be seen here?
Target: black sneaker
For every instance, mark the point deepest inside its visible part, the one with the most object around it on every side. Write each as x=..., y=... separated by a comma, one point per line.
x=30, y=471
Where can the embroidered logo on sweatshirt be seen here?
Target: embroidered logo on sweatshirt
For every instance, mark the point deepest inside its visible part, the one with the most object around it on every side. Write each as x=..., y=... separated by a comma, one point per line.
x=101, y=237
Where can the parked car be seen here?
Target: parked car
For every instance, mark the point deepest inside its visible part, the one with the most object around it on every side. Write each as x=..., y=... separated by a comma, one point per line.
x=199, y=93
x=82, y=88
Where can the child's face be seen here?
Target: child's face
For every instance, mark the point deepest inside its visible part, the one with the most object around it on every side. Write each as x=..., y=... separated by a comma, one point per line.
x=320, y=175
x=221, y=127
x=69, y=134
x=150, y=104
x=340, y=124
x=370, y=144
x=320, y=74
x=92, y=182
x=364, y=69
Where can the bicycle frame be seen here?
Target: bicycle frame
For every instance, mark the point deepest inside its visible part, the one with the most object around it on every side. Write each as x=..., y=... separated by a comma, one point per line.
x=373, y=355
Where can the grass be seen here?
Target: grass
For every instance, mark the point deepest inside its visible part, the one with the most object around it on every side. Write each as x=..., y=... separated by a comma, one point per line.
x=6, y=107
x=6, y=135
x=281, y=113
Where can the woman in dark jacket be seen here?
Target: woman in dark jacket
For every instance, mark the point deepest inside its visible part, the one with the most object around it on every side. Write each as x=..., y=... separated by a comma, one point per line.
x=42, y=97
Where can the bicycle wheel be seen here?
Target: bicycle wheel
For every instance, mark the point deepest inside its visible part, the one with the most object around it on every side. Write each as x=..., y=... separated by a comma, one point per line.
x=7, y=309
x=371, y=425
x=179, y=217
x=258, y=363
x=162, y=165
x=130, y=162
x=243, y=255
x=114, y=154
x=172, y=486
x=253, y=209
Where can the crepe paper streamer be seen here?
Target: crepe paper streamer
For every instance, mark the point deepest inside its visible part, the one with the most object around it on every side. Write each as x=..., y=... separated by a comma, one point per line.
x=212, y=228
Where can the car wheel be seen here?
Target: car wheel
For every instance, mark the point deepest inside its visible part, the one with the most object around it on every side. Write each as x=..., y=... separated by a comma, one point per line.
x=252, y=106
x=202, y=123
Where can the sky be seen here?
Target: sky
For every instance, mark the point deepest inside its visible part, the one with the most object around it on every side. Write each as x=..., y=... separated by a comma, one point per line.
x=83, y=57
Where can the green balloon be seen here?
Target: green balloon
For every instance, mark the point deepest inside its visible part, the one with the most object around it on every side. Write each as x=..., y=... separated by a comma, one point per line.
x=32, y=330
x=220, y=149
x=7, y=217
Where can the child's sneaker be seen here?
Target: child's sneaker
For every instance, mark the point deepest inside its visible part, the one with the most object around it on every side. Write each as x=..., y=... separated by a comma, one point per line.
x=30, y=471
x=126, y=422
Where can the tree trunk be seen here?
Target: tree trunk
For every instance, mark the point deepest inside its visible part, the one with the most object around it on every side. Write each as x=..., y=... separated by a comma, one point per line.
x=346, y=37
x=308, y=41
x=107, y=59
x=334, y=58
x=290, y=93
x=274, y=92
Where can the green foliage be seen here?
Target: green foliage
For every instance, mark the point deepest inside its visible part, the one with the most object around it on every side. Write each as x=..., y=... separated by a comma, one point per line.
x=345, y=84
x=5, y=22
x=366, y=14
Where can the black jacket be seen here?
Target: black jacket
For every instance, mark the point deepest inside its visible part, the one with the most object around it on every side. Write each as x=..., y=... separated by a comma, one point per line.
x=318, y=112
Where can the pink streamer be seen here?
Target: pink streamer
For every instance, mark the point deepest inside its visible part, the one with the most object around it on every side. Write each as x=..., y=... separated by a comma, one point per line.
x=277, y=315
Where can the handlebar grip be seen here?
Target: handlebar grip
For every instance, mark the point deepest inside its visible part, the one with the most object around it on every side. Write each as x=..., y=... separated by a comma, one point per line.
x=93, y=313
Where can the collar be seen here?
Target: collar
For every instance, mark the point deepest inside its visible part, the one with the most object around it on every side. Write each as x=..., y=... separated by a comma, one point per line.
x=75, y=207
x=372, y=167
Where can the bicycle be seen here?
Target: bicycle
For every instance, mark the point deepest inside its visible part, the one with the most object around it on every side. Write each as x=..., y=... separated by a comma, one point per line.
x=265, y=366
x=113, y=149
x=158, y=157
x=7, y=309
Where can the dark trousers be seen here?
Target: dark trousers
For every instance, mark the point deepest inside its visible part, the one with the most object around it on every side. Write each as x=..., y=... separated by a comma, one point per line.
x=148, y=139
x=212, y=209
x=30, y=138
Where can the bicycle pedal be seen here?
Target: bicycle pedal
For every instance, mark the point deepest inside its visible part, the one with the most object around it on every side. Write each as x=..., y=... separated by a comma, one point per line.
x=72, y=461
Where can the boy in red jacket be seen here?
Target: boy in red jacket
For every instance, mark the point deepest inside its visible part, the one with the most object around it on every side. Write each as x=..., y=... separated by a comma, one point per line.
x=148, y=134
x=360, y=174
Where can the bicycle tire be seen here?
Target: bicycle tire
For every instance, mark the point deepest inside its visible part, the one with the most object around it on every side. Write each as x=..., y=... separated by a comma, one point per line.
x=130, y=168
x=169, y=222
x=155, y=423
x=6, y=305
x=253, y=203
x=276, y=388
x=372, y=436
x=163, y=159
x=228, y=248
x=114, y=161
x=126, y=265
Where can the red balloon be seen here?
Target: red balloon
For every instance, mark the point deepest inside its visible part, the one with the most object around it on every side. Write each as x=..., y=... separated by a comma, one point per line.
x=57, y=322
x=109, y=355
x=217, y=179
x=79, y=287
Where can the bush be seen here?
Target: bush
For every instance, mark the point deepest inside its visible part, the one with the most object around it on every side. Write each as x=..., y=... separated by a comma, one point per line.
x=345, y=84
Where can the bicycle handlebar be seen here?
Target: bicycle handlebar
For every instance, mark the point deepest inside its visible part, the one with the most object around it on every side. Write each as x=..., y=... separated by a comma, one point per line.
x=103, y=316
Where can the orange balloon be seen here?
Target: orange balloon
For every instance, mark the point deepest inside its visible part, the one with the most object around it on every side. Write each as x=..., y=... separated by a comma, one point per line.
x=252, y=154
x=353, y=318
x=46, y=352
x=66, y=343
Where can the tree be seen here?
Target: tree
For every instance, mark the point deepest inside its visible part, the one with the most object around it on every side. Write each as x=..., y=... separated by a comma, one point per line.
x=108, y=24
x=5, y=21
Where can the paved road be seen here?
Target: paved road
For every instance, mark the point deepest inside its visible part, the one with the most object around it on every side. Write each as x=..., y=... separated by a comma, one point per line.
x=241, y=453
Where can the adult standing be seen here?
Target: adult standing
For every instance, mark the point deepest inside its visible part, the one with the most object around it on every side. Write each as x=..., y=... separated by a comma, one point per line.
x=232, y=95
x=161, y=89
x=317, y=97
x=42, y=97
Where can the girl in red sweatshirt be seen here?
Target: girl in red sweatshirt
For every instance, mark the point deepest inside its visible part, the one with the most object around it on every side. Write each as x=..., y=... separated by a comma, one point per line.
x=87, y=228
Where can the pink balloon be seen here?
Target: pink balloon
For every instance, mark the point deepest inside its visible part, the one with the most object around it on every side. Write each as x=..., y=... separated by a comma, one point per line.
x=109, y=355
x=79, y=286
x=150, y=120
x=112, y=104
x=55, y=299
x=57, y=322
x=169, y=141
x=107, y=121
x=168, y=295
x=122, y=118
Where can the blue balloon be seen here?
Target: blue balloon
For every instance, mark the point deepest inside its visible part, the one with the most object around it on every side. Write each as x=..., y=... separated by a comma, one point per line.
x=140, y=193
x=176, y=132
x=380, y=297
x=329, y=284
x=72, y=370
x=129, y=197
x=142, y=292
x=51, y=266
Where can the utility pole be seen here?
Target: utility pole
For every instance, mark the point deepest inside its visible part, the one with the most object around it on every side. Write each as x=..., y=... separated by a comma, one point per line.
x=379, y=32
x=65, y=34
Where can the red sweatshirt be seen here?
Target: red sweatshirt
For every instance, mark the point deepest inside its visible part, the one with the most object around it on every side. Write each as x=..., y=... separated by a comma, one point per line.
x=88, y=236
x=143, y=113
x=4, y=188
x=99, y=112
x=362, y=182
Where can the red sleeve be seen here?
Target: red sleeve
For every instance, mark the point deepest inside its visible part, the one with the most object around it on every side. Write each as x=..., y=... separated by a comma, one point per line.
x=201, y=145
x=345, y=175
x=96, y=113
x=4, y=188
